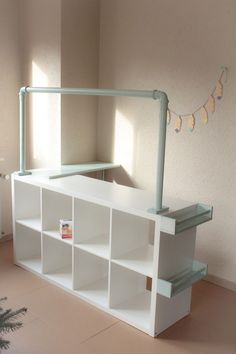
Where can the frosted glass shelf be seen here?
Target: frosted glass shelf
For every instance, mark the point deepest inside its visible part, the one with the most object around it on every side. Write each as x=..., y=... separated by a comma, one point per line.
x=33, y=263
x=136, y=310
x=98, y=245
x=182, y=281
x=56, y=234
x=32, y=223
x=75, y=169
x=140, y=260
x=62, y=276
x=186, y=218
x=96, y=292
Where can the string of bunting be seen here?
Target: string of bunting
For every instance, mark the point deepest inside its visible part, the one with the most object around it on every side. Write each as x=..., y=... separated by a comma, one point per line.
x=204, y=110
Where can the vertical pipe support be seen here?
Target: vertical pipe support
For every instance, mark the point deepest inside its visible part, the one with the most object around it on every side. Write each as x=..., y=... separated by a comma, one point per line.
x=22, y=128
x=161, y=152
x=162, y=96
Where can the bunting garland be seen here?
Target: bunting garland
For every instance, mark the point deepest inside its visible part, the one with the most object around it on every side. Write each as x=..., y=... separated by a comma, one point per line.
x=202, y=111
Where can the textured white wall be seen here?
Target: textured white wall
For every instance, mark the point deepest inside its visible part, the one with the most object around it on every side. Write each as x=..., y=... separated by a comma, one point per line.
x=178, y=47
x=9, y=84
x=79, y=68
x=41, y=66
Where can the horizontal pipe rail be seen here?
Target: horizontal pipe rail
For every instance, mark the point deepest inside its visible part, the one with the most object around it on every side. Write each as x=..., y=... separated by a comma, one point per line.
x=93, y=92
x=154, y=94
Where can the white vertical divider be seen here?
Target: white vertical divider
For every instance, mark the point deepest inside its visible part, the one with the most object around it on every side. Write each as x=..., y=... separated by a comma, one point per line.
x=109, y=260
x=155, y=275
x=13, y=215
x=41, y=226
x=73, y=242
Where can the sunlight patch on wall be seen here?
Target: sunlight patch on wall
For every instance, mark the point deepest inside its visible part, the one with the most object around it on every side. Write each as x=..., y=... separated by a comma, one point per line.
x=40, y=116
x=124, y=142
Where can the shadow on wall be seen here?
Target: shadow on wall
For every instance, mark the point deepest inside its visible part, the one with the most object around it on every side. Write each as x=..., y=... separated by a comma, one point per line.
x=120, y=176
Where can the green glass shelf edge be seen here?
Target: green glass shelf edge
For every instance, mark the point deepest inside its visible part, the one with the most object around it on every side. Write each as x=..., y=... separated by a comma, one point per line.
x=181, y=220
x=70, y=170
x=182, y=281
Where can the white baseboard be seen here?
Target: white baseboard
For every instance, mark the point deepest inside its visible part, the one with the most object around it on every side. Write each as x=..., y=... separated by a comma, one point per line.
x=227, y=284
x=6, y=238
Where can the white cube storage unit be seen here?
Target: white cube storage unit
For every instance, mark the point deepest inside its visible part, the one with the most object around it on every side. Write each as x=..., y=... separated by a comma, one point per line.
x=131, y=263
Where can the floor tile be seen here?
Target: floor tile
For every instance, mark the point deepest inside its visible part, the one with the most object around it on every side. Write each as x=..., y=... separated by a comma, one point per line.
x=62, y=310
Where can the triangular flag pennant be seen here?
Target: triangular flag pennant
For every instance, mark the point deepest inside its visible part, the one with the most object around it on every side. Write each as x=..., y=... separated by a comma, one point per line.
x=168, y=117
x=210, y=105
x=178, y=124
x=218, y=93
x=204, y=115
x=191, y=122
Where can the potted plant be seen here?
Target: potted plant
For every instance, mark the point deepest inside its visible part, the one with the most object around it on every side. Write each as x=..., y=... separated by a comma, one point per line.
x=9, y=322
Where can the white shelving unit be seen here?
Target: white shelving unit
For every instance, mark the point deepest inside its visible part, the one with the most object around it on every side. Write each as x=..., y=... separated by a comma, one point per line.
x=131, y=263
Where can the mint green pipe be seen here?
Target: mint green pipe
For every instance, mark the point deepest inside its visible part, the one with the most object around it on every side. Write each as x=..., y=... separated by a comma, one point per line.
x=104, y=92
x=90, y=92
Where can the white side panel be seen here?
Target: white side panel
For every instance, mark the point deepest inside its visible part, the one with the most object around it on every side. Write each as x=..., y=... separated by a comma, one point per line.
x=169, y=311
x=176, y=253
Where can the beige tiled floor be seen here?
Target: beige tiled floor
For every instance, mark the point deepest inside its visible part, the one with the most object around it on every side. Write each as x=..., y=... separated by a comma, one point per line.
x=59, y=323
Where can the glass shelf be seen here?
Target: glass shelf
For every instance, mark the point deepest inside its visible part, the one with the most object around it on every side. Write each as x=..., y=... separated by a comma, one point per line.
x=180, y=220
x=182, y=281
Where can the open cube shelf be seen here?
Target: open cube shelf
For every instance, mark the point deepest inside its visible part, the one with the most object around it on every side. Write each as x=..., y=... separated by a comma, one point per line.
x=91, y=277
x=29, y=212
x=57, y=261
x=28, y=248
x=121, y=258
x=132, y=242
x=129, y=296
x=55, y=206
x=92, y=228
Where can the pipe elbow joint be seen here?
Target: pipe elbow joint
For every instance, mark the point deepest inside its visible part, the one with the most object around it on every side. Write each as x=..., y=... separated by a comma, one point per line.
x=161, y=95
x=23, y=90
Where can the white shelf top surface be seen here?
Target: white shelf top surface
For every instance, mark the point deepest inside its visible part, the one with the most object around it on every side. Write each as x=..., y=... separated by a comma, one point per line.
x=113, y=195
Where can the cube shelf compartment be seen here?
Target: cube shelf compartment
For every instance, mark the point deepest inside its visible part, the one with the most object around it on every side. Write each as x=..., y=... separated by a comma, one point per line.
x=117, y=248
x=92, y=227
x=28, y=246
x=132, y=242
x=55, y=206
x=27, y=213
x=129, y=298
x=57, y=261
x=91, y=277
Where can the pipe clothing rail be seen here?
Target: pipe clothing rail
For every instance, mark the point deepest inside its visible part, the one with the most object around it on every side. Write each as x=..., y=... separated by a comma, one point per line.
x=154, y=94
